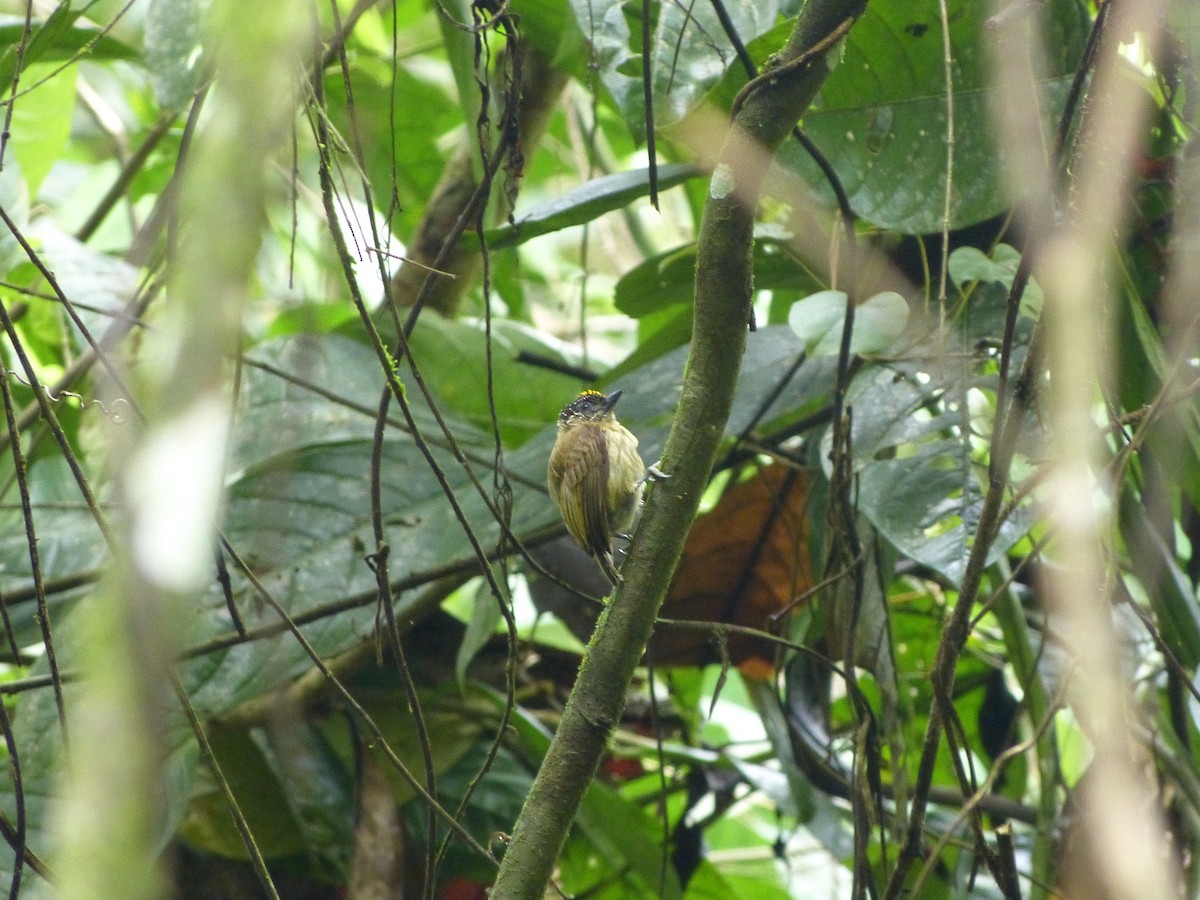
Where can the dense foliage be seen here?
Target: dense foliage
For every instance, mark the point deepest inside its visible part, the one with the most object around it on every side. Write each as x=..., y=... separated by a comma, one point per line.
x=292, y=295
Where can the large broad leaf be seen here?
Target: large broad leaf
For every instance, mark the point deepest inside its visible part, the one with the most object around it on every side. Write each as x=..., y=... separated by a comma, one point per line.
x=299, y=505
x=70, y=549
x=920, y=429
x=881, y=117
x=454, y=362
x=296, y=795
x=298, y=512
x=918, y=481
x=39, y=754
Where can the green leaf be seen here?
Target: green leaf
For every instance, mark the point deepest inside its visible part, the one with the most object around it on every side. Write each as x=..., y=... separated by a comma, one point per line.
x=460, y=50
x=398, y=147
x=607, y=33
x=1074, y=749
x=918, y=482
x=1169, y=591
x=40, y=757
x=970, y=264
x=318, y=793
x=550, y=25
x=1184, y=26
x=485, y=616
x=585, y=203
x=453, y=357
x=494, y=805
x=455, y=724
x=261, y=795
x=41, y=121
x=670, y=277
x=819, y=320
x=14, y=195
x=170, y=42
x=312, y=317
x=657, y=282
x=99, y=284
x=880, y=119
x=53, y=40
x=690, y=50
x=708, y=883
x=658, y=334
x=39, y=749
x=651, y=392
x=800, y=801
x=760, y=50
x=69, y=546
x=298, y=502
x=1145, y=365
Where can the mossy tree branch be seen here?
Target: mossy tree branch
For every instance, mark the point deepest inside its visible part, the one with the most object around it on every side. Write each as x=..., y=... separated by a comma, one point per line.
x=763, y=118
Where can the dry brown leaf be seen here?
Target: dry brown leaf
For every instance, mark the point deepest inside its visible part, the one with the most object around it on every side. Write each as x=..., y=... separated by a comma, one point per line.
x=744, y=561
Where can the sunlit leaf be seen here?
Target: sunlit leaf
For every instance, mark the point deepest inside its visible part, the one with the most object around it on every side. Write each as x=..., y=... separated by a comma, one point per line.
x=41, y=122
x=819, y=320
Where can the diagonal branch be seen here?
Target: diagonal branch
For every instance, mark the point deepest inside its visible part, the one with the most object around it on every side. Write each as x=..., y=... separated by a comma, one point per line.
x=764, y=118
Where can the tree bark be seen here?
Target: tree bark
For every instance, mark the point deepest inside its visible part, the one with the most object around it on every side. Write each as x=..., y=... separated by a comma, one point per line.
x=763, y=117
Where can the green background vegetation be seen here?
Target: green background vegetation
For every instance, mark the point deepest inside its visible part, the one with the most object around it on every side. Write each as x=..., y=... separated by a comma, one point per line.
x=206, y=215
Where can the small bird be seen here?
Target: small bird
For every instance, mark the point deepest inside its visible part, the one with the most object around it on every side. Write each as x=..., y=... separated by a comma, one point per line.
x=596, y=475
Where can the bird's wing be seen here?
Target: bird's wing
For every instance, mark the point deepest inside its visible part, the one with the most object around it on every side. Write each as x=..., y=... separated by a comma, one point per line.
x=584, y=479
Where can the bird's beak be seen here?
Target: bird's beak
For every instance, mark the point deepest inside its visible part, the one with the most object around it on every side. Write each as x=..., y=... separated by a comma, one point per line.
x=611, y=400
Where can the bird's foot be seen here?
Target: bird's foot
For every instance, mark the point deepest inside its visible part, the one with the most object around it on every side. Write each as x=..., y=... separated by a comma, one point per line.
x=654, y=473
